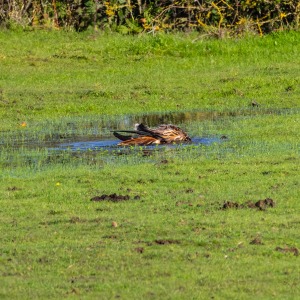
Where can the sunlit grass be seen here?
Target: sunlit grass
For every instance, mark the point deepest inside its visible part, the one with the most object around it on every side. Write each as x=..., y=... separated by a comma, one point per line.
x=57, y=241
x=170, y=240
x=56, y=74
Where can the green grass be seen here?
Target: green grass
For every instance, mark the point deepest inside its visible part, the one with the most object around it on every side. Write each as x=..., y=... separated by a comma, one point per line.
x=56, y=242
x=174, y=241
x=56, y=74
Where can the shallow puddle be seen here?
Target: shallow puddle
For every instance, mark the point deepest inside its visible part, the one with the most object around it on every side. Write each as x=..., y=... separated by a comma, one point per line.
x=90, y=140
x=95, y=133
x=113, y=144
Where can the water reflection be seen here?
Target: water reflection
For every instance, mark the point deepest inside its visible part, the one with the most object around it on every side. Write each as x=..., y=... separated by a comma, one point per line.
x=112, y=144
x=168, y=118
x=177, y=118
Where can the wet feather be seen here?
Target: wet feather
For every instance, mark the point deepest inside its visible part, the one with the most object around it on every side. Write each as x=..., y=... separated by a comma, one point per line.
x=144, y=135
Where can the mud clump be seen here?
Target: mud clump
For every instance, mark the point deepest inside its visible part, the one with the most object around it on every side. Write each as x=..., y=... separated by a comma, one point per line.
x=256, y=241
x=229, y=204
x=261, y=204
x=139, y=250
x=293, y=250
x=13, y=188
x=166, y=242
x=113, y=198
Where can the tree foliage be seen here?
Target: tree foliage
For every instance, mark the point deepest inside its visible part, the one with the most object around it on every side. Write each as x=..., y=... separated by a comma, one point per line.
x=220, y=17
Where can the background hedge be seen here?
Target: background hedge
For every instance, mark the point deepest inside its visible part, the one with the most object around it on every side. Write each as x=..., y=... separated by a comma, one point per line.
x=134, y=16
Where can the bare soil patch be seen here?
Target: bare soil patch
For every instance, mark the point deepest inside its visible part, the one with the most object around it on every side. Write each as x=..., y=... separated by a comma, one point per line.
x=14, y=188
x=166, y=242
x=256, y=241
x=293, y=250
x=139, y=250
x=260, y=205
x=113, y=198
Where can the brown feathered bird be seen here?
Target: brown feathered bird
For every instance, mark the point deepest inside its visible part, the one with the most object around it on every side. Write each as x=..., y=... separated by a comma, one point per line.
x=144, y=136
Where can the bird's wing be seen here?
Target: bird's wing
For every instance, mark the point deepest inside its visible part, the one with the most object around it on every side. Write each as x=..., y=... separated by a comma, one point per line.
x=138, y=132
x=122, y=137
x=140, y=141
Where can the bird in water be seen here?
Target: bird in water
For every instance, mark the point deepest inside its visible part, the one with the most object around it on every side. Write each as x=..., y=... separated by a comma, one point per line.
x=144, y=135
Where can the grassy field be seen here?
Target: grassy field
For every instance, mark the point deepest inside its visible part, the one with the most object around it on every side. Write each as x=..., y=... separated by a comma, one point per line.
x=162, y=231
x=54, y=74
